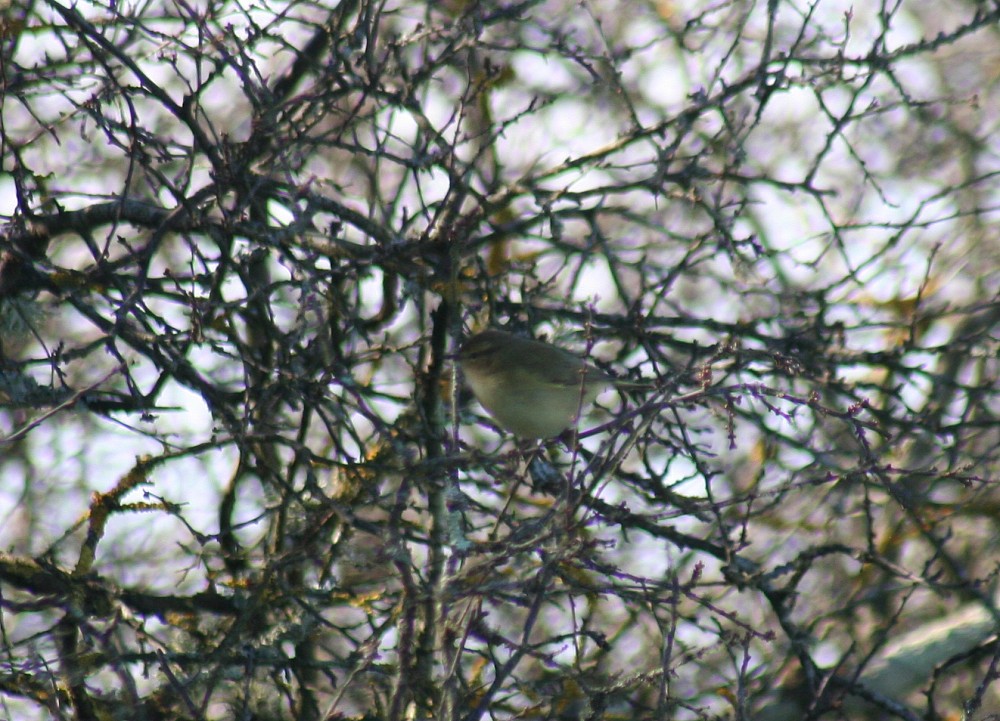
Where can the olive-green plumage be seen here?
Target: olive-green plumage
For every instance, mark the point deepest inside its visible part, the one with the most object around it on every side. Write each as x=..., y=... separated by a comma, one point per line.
x=530, y=388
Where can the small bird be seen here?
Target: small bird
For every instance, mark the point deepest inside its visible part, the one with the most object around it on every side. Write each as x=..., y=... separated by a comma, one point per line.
x=531, y=388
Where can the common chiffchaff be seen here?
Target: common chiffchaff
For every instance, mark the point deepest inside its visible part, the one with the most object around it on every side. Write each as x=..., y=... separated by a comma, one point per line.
x=531, y=388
